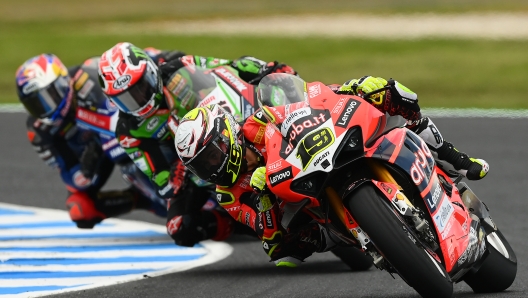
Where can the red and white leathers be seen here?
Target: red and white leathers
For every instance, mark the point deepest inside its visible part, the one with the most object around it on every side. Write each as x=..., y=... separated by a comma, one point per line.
x=242, y=202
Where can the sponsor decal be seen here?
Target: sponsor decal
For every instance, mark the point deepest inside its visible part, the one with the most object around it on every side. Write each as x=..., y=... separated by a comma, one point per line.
x=248, y=110
x=387, y=188
x=80, y=78
x=246, y=219
x=447, y=229
x=166, y=189
x=100, y=121
x=122, y=81
x=231, y=209
x=135, y=154
x=207, y=101
x=320, y=158
x=128, y=142
x=110, y=144
x=173, y=124
x=79, y=179
x=224, y=197
x=314, y=91
x=270, y=131
x=349, y=110
x=141, y=164
x=30, y=87
x=280, y=176
x=420, y=164
x=298, y=129
x=176, y=83
x=117, y=151
x=233, y=80
x=152, y=124
x=259, y=117
x=244, y=183
x=274, y=166
x=173, y=226
x=433, y=199
x=339, y=105
x=161, y=133
x=259, y=135
x=269, y=220
x=86, y=89
x=442, y=216
x=292, y=117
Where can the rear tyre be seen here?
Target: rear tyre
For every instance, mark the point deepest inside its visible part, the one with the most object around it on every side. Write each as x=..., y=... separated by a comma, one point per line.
x=499, y=269
x=387, y=233
x=353, y=257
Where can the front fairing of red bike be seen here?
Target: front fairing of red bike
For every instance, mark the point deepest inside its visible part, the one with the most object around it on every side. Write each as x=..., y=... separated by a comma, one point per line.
x=314, y=130
x=308, y=144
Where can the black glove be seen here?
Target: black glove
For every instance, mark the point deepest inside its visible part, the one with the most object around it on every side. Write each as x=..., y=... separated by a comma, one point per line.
x=168, y=69
x=90, y=158
x=185, y=229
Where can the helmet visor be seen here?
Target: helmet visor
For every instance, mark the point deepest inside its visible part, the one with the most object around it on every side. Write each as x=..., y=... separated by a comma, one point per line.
x=138, y=96
x=207, y=164
x=44, y=102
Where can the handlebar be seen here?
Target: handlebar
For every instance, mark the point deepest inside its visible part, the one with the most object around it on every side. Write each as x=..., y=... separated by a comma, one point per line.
x=390, y=83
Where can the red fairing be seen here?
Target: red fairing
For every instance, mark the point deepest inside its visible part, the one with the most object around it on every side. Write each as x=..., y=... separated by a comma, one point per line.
x=452, y=222
x=304, y=137
x=331, y=115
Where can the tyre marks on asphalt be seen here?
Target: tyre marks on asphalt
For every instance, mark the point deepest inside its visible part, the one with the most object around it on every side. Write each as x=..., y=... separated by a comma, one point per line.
x=42, y=252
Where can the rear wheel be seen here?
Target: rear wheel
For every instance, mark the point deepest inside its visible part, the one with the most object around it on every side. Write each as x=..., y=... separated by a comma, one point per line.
x=353, y=257
x=499, y=269
x=389, y=236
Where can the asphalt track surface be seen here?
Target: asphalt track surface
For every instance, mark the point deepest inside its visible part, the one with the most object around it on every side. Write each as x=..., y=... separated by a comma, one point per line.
x=25, y=180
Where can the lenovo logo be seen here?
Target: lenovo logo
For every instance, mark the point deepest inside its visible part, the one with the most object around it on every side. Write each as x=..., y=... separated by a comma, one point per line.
x=346, y=115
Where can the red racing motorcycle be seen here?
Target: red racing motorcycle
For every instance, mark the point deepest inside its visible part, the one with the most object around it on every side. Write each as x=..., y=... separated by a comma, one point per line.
x=374, y=185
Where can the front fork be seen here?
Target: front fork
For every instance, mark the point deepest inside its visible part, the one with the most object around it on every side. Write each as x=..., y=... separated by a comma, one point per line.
x=387, y=184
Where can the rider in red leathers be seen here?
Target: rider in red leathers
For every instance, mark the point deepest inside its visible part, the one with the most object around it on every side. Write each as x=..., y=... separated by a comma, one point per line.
x=214, y=147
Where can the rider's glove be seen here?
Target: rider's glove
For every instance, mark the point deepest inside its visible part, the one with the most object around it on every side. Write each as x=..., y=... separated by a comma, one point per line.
x=90, y=159
x=178, y=175
x=365, y=85
x=277, y=67
x=258, y=179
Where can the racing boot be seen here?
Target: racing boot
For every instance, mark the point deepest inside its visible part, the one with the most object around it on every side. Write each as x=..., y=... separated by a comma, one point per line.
x=83, y=211
x=447, y=157
x=302, y=244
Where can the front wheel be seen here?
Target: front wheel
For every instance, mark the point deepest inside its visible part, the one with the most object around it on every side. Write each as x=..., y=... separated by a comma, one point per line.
x=388, y=234
x=499, y=269
x=354, y=258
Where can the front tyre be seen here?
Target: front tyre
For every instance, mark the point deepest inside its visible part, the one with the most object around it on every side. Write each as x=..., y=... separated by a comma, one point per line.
x=354, y=258
x=368, y=206
x=499, y=269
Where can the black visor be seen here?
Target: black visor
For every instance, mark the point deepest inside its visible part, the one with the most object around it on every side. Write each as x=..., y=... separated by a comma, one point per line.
x=208, y=162
x=44, y=102
x=136, y=97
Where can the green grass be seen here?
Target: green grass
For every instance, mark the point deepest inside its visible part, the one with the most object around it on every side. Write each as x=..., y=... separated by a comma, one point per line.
x=445, y=73
x=25, y=10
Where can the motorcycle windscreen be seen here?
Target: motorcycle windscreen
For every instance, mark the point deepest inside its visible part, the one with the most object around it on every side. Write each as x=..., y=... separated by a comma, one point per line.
x=190, y=85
